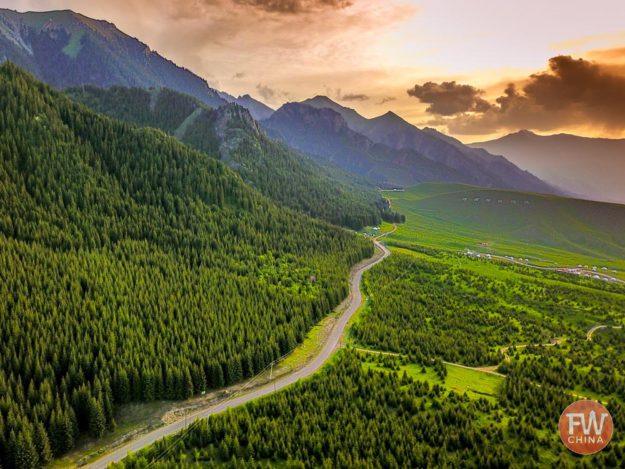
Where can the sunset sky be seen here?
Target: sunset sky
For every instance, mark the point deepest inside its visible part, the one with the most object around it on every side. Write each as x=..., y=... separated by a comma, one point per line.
x=446, y=64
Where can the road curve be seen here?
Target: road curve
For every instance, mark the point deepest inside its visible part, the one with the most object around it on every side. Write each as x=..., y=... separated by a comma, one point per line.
x=353, y=302
x=593, y=329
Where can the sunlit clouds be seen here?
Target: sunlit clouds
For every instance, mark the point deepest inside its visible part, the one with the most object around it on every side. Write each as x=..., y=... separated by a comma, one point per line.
x=457, y=58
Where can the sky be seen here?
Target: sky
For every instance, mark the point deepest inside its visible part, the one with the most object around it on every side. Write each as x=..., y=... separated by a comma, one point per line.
x=475, y=69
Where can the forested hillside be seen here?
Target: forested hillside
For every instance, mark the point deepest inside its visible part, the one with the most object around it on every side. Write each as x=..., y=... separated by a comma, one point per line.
x=358, y=415
x=230, y=133
x=135, y=268
x=394, y=402
x=343, y=418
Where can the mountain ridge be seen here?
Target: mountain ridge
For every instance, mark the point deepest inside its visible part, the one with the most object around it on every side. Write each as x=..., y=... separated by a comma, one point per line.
x=332, y=135
x=231, y=134
x=587, y=167
x=324, y=134
x=64, y=48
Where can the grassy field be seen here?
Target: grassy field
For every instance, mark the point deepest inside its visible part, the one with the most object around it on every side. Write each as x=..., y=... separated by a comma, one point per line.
x=474, y=383
x=547, y=230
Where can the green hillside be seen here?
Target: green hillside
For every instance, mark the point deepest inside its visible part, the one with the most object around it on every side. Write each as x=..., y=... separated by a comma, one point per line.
x=538, y=227
x=230, y=133
x=133, y=268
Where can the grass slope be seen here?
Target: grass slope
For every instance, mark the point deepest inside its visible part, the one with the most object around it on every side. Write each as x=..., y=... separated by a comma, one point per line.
x=539, y=227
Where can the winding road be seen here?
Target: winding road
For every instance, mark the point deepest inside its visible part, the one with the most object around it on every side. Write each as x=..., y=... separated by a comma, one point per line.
x=593, y=329
x=333, y=342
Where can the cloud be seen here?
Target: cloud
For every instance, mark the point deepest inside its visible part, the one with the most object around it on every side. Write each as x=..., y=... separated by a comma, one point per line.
x=449, y=98
x=270, y=95
x=239, y=75
x=386, y=100
x=326, y=41
x=338, y=95
x=571, y=92
x=354, y=97
x=608, y=55
x=295, y=6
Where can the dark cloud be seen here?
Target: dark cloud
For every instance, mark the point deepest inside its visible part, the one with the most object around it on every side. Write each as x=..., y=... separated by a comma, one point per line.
x=572, y=92
x=449, y=98
x=239, y=75
x=295, y=6
x=386, y=100
x=354, y=97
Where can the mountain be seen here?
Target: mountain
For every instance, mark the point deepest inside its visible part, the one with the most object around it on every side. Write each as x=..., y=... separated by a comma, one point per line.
x=176, y=276
x=231, y=134
x=258, y=109
x=590, y=167
x=63, y=49
x=326, y=133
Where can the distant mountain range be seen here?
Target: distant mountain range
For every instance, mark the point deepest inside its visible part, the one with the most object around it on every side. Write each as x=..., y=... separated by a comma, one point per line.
x=390, y=150
x=592, y=168
x=66, y=49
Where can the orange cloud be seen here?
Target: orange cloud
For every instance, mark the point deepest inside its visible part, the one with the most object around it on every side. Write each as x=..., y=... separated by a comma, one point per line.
x=570, y=92
x=615, y=55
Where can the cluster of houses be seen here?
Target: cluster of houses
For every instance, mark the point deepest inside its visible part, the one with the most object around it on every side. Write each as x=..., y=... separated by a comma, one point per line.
x=499, y=201
x=597, y=273
x=374, y=231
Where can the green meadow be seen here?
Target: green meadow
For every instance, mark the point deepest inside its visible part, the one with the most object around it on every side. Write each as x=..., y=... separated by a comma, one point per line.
x=474, y=383
x=547, y=230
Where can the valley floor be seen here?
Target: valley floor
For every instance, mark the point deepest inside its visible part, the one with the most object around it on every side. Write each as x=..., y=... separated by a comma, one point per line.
x=492, y=351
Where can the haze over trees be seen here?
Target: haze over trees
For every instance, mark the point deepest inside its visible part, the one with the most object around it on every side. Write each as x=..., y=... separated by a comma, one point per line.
x=134, y=268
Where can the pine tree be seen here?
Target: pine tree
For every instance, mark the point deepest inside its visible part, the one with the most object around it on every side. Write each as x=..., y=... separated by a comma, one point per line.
x=97, y=421
x=23, y=451
x=42, y=443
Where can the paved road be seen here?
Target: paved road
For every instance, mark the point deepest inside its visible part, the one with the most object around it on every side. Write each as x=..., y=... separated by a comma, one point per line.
x=332, y=343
